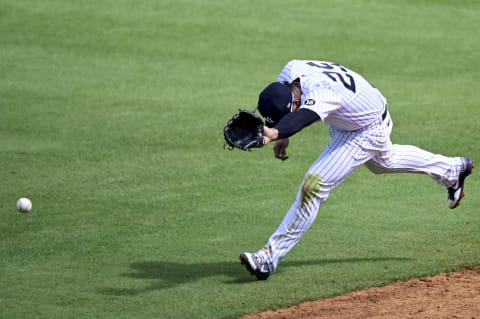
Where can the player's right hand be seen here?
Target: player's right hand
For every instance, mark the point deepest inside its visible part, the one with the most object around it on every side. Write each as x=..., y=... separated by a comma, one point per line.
x=280, y=149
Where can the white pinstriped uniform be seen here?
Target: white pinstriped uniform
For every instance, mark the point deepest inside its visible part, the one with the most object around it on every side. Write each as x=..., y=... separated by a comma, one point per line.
x=353, y=109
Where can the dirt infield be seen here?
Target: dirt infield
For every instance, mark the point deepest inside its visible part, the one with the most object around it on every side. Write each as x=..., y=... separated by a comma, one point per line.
x=451, y=295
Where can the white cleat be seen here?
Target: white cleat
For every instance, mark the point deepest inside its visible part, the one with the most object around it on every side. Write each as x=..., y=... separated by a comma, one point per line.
x=455, y=193
x=255, y=265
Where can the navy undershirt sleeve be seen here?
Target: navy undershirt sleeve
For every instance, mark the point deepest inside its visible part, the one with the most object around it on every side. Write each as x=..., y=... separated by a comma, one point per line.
x=295, y=121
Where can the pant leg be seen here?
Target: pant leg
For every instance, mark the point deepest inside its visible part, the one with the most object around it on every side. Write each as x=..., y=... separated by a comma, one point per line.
x=344, y=154
x=411, y=159
x=394, y=158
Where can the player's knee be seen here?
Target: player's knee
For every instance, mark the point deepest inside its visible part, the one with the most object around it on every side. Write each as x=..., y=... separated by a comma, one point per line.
x=375, y=170
x=375, y=167
x=310, y=188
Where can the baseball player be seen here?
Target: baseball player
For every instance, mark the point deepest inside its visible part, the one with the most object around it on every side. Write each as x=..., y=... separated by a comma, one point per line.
x=360, y=125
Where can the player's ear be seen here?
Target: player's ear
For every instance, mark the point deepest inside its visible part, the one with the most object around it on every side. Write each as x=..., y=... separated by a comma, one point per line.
x=295, y=104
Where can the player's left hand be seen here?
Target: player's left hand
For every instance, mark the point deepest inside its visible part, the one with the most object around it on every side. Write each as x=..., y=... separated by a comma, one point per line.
x=269, y=134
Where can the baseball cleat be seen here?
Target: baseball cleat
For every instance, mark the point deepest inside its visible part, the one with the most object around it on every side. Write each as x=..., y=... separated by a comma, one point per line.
x=455, y=193
x=255, y=265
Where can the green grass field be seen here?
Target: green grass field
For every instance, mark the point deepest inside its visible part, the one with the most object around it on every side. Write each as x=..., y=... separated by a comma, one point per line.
x=111, y=118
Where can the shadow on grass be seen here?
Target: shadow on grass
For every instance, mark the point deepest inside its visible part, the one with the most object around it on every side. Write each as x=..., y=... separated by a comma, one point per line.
x=164, y=274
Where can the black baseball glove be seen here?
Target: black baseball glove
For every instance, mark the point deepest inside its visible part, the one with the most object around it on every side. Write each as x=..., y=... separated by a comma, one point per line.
x=244, y=131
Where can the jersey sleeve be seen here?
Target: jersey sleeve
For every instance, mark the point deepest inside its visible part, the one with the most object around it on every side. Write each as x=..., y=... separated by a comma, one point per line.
x=291, y=71
x=318, y=96
x=321, y=100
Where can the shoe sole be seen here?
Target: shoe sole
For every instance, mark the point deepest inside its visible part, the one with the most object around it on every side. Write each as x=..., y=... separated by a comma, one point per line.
x=244, y=261
x=462, y=195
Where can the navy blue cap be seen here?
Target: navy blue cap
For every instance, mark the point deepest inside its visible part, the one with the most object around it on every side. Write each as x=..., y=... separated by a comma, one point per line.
x=274, y=102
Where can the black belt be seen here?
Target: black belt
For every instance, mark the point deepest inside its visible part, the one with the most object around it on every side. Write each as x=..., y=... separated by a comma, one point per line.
x=384, y=115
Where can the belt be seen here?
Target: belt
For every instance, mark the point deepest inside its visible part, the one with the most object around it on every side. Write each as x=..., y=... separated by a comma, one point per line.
x=385, y=112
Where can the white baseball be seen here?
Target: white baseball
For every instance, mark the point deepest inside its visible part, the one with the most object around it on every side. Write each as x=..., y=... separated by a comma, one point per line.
x=24, y=205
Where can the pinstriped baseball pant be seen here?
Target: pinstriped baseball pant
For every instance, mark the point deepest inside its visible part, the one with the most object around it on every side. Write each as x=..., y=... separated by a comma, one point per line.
x=345, y=153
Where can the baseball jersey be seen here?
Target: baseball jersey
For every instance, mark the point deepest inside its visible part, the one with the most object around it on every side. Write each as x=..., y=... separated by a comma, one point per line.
x=341, y=97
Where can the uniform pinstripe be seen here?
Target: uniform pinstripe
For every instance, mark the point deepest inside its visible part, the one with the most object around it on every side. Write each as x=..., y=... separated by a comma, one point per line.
x=353, y=109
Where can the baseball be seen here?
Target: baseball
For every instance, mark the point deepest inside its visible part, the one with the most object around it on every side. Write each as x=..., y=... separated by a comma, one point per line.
x=24, y=205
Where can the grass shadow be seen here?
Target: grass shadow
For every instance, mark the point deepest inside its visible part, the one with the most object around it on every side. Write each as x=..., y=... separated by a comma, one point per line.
x=164, y=275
